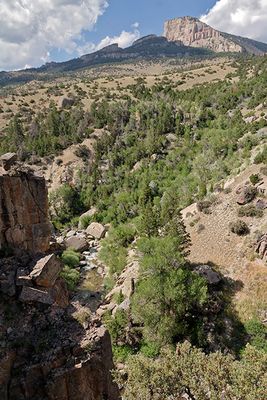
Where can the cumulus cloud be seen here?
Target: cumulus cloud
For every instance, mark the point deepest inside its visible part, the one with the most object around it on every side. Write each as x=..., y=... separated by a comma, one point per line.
x=240, y=17
x=125, y=39
x=30, y=29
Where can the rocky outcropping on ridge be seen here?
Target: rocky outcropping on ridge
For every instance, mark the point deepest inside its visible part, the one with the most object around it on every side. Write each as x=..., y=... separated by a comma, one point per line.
x=193, y=32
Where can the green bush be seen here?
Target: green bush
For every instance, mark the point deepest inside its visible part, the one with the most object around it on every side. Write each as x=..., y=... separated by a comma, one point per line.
x=239, y=227
x=250, y=211
x=254, y=179
x=258, y=334
x=70, y=258
x=71, y=277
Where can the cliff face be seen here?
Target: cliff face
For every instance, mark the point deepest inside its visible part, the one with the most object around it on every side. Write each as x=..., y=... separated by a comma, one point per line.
x=46, y=352
x=192, y=32
x=24, y=223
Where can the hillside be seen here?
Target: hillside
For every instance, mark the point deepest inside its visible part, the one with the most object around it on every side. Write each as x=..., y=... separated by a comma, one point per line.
x=149, y=47
x=133, y=230
x=195, y=33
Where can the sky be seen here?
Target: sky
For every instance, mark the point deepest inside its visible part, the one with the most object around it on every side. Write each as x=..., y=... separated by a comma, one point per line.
x=33, y=32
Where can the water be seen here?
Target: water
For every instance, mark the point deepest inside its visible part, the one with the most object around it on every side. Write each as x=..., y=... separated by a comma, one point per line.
x=91, y=288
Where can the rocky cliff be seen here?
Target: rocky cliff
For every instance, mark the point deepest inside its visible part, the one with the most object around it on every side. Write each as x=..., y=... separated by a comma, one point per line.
x=24, y=223
x=193, y=32
x=46, y=351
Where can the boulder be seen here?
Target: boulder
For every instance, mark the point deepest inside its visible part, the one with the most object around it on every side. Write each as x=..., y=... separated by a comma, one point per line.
x=211, y=276
x=77, y=243
x=46, y=271
x=89, y=213
x=96, y=230
x=8, y=160
x=261, y=247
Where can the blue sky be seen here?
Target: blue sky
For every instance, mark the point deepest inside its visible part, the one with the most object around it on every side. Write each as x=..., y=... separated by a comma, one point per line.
x=150, y=14
x=33, y=32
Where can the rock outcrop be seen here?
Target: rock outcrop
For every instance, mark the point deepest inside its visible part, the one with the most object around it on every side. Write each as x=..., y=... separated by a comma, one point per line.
x=193, y=32
x=261, y=247
x=24, y=223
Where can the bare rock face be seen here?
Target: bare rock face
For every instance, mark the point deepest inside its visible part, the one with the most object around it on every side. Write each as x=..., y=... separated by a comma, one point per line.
x=192, y=32
x=24, y=223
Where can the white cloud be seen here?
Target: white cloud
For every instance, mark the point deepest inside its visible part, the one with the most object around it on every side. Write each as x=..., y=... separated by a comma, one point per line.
x=30, y=29
x=240, y=17
x=125, y=39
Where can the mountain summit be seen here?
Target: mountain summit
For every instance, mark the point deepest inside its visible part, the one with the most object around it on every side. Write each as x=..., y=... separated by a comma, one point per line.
x=193, y=32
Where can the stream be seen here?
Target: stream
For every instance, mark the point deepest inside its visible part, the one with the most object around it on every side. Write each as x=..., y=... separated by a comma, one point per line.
x=91, y=288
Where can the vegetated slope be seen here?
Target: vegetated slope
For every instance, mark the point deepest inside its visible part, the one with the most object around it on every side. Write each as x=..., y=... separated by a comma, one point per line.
x=192, y=32
x=235, y=256
x=113, y=80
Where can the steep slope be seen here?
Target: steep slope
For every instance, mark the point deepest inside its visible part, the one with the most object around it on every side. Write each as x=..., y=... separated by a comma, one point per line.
x=193, y=32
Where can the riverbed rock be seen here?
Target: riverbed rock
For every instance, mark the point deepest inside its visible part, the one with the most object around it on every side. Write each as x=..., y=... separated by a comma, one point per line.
x=96, y=230
x=78, y=243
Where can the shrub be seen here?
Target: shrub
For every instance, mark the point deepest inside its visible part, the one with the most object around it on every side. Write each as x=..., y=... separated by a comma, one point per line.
x=239, y=227
x=70, y=258
x=71, y=277
x=204, y=206
x=250, y=211
x=258, y=334
x=254, y=179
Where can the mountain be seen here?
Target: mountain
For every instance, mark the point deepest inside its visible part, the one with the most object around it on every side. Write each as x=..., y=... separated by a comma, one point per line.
x=150, y=46
x=193, y=32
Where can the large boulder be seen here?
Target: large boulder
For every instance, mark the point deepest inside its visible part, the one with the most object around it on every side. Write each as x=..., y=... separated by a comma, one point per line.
x=46, y=271
x=96, y=230
x=78, y=243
